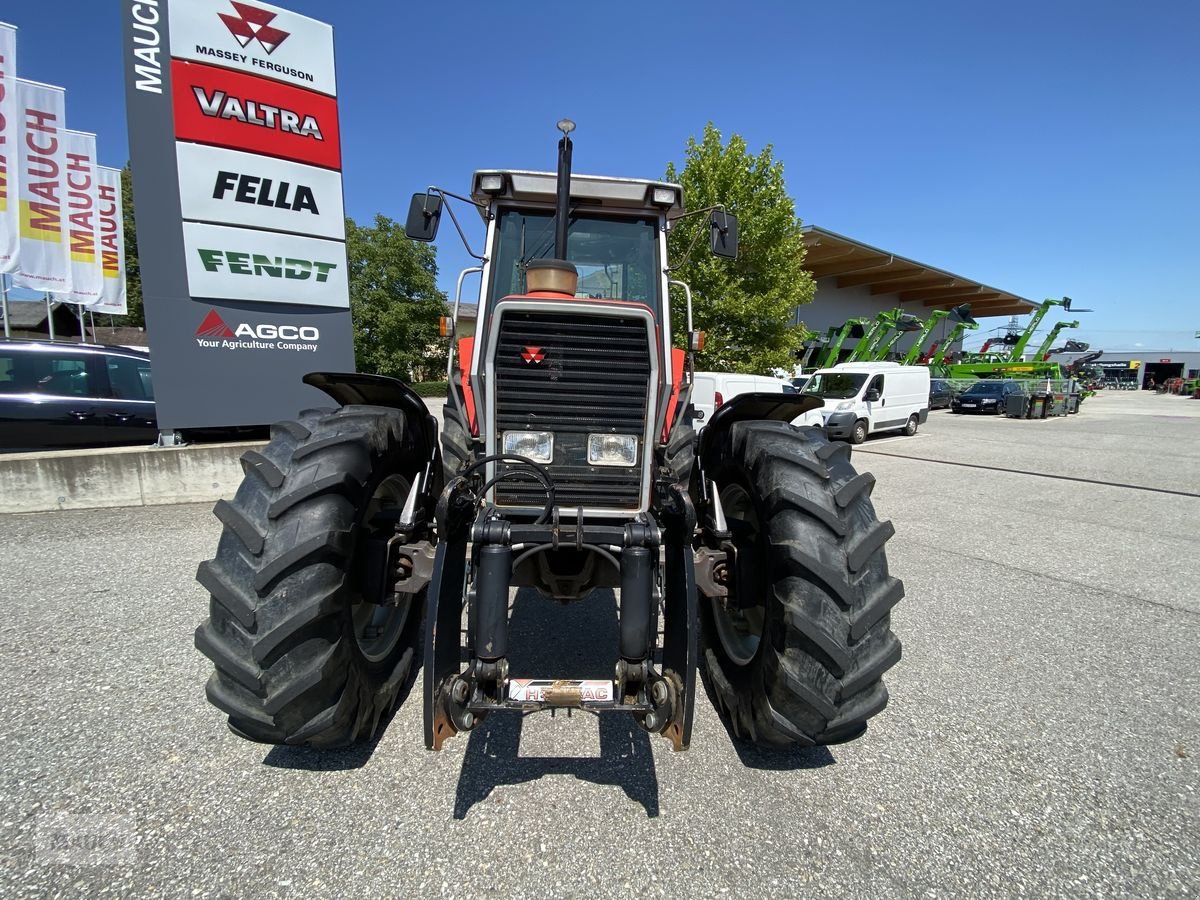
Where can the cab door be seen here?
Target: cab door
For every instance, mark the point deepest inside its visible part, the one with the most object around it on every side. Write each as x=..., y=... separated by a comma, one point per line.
x=875, y=400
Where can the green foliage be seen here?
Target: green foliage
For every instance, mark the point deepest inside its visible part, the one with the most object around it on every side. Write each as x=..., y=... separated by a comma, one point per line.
x=134, y=317
x=746, y=306
x=431, y=388
x=395, y=302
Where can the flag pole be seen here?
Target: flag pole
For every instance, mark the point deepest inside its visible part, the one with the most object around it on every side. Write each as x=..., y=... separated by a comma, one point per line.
x=49, y=315
x=82, y=326
x=4, y=293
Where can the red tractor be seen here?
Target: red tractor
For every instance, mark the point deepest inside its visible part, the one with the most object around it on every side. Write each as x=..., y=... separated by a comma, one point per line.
x=570, y=459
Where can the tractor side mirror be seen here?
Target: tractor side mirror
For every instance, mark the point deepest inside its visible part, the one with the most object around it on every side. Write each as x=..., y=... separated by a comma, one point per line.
x=724, y=234
x=424, y=214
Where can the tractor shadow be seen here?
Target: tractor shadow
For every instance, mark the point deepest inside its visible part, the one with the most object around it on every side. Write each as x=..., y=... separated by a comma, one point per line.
x=553, y=640
x=344, y=759
x=769, y=759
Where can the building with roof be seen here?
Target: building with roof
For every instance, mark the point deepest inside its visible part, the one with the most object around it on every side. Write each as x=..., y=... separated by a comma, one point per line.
x=856, y=280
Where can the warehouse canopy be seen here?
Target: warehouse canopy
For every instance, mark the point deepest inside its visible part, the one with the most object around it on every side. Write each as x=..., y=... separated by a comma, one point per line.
x=918, y=286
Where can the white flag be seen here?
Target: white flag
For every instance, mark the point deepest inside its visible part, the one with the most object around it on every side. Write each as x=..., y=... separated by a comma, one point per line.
x=10, y=222
x=83, y=232
x=111, y=229
x=45, y=263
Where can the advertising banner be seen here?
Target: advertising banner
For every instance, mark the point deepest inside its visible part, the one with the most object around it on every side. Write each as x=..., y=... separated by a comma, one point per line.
x=110, y=242
x=255, y=38
x=10, y=222
x=82, y=235
x=44, y=263
x=259, y=192
x=236, y=156
x=246, y=112
x=242, y=264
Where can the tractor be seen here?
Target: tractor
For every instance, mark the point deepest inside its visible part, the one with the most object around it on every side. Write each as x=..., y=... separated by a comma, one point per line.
x=362, y=543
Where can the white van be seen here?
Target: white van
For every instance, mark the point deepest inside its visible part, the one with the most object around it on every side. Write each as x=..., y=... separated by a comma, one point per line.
x=710, y=390
x=864, y=398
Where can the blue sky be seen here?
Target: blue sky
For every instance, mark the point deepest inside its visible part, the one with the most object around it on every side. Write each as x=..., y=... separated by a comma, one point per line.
x=1048, y=149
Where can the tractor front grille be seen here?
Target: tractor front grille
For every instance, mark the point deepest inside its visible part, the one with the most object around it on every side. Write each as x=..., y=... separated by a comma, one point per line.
x=573, y=374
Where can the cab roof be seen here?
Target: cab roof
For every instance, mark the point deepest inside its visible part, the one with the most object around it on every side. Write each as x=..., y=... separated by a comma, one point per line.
x=597, y=190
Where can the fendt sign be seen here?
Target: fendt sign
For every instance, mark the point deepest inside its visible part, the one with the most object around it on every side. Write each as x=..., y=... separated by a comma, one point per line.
x=236, y=155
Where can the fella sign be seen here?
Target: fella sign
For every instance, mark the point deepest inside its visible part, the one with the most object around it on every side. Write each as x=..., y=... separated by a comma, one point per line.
x=236, y=155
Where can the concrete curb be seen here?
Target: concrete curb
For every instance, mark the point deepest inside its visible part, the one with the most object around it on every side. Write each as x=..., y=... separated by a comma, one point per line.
x=120, y=476
x=126, y=476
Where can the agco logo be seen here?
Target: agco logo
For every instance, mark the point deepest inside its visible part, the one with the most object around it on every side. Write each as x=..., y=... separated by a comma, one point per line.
x=533, y=355
x=214, y=331
x=252, y=24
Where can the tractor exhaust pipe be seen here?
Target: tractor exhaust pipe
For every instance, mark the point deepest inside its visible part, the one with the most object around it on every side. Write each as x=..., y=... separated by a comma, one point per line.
x=563, y=201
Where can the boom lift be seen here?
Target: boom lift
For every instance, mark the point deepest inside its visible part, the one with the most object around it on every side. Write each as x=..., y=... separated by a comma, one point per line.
x=855, y=328
x=961, y=314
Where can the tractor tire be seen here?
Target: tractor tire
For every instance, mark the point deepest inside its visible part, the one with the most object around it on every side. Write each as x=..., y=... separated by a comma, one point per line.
x=797, y=653
x=858, y=433
x=456, y=443
x=300, y=657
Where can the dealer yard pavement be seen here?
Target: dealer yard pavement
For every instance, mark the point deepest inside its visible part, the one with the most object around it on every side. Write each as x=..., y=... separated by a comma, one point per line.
x=1043, y=736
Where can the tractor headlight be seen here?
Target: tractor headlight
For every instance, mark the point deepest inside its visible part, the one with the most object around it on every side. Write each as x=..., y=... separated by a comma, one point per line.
x=535, y=445
x=612, y=449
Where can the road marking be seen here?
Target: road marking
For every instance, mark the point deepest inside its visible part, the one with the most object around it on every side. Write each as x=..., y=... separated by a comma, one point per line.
x=965, y=465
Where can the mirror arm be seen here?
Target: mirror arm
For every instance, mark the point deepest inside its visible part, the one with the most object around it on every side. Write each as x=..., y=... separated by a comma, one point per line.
x=692, y=246
x=453, y=218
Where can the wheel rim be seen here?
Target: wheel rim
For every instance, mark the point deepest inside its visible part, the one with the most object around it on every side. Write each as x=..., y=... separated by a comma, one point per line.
x=739, y=623
x=377, y=629
x=860, y=433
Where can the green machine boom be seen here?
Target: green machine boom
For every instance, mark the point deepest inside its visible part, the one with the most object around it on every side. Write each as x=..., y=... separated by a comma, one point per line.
x=857, y=327
x=962, y=316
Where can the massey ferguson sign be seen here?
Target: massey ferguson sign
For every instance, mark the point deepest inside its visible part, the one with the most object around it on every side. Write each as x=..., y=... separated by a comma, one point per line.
x=236, y=158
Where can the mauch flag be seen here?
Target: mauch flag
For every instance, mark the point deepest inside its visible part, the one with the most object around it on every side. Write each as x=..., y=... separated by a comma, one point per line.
x=10, y=223
x=44, y=263
x=87, y=280
x=111, y=230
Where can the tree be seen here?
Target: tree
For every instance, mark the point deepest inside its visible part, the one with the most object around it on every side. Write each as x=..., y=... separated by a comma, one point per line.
x=747, y=307
x=395, y=302
x=134, y=316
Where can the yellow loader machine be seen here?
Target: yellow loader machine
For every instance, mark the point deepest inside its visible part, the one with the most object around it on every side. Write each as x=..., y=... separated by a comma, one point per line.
x=362, y=541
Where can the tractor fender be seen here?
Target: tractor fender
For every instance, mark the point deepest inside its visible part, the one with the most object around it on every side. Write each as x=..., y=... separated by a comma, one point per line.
x=353, y=388
x=754, y=406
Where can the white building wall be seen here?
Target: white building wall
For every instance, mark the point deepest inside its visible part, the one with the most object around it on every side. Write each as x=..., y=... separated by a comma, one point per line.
x=833, y=306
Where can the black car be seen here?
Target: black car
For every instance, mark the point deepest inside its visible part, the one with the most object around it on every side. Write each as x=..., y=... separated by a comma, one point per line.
x=940, y=394
x=57, y=395
x=985, y=397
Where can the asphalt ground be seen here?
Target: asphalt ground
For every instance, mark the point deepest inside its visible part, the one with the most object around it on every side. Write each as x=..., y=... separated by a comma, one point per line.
x=1042, y=738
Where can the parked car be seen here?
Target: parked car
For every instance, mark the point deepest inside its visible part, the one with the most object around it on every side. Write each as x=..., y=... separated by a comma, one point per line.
x=57, y=395
x=985, y=397
x=940, y=394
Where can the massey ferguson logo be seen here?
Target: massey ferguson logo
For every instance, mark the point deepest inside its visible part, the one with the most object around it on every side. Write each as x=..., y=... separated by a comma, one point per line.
x=533, y=355
x=215, y=332
x=253, y=24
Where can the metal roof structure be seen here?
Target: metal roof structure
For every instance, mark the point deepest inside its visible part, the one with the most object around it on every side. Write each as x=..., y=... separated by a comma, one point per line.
x=920, y=287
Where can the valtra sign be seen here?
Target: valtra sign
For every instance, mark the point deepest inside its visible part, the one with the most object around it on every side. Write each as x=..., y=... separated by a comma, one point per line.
x=236, y=158
x=243, y=112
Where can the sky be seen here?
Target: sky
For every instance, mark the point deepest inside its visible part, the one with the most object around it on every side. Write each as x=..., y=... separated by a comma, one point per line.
x=1047, y=149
